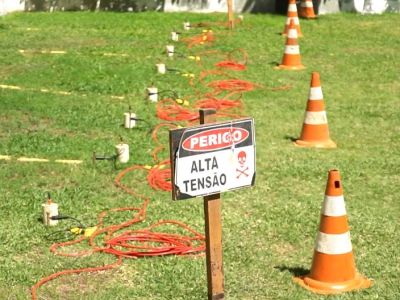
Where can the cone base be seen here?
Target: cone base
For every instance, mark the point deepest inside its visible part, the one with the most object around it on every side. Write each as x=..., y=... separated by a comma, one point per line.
x=316, y=144
x=308, y=17
x=285, y=67
x=325, y=288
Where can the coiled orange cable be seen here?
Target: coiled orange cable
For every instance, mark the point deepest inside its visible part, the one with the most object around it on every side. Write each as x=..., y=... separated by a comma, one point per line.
x=147, y=241
x=160, y=146
x=218, y=104
x=159, y=177
x=169, y=110
x=236, y=85
x=167, y=243
x=205, y=37
x=231, y=65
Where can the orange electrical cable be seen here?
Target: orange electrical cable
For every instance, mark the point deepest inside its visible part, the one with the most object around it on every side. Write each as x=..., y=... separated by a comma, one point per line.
x=231, y=65
x=236, y=85
x=159, y=177
x=159, y=146
x=169, y=110
x=205, y=37
x=207, y=73
x=232, y=55
x=218, y=104
x=147, y=242
x=136, y=243
x=72, y=271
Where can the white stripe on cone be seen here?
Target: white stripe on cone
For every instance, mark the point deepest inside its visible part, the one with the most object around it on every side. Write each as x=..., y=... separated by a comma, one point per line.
x=295, y=20
x=306, y=4
x=333, y=243
x=292, y=8
x=315, y=93
x=333, y=206
x=292, y=33
x=292, y=49
x=315, y=118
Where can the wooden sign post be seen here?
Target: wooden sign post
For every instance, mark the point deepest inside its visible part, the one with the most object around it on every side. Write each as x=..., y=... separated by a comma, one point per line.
x=231, y=20
x=213, y=232
x=206, y=160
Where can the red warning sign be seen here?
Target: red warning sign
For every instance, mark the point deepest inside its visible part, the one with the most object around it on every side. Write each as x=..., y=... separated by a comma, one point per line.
x=215, y=139
x=212, y=158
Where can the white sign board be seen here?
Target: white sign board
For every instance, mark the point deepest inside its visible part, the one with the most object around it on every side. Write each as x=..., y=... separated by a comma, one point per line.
x=212, y=158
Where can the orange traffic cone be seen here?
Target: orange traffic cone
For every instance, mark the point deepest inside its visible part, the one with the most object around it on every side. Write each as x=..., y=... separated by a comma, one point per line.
x=292, y=15
x=315, y=132
x=307, y=9
x=333, y=269
x=291, y=58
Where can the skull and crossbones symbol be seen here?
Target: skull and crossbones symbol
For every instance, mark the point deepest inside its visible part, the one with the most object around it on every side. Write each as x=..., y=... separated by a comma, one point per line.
x=241, y=170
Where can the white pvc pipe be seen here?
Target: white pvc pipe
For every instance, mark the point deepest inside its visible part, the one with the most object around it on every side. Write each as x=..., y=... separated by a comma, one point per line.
x=50, y=209
x=174, y=36
x=130, y=121
x=161, y=68
x=152, y=93
x=122, y=152
x=170, y=50
x=186, y=25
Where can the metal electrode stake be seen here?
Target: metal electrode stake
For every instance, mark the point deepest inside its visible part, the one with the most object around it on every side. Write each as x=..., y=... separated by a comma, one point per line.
x=231, y=20
x=213, y=232
x=130, y=117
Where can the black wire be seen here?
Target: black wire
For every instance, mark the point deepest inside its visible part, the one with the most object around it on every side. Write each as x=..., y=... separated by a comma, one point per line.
x=174, y=93
x=61, y=217
x=141, y=120
x=56, y=235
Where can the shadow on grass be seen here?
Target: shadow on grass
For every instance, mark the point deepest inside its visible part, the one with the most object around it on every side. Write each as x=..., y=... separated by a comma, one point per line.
x=290, y=138
x=296, y=271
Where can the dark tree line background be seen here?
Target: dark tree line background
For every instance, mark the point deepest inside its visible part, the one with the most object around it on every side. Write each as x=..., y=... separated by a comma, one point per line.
x=112, y=5
x=255, y=6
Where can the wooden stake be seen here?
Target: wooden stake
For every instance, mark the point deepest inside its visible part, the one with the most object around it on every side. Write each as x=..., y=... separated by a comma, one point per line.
x=231, y=20
x=213, y=231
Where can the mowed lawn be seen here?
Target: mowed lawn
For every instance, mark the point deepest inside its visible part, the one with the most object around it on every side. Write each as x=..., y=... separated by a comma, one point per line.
x=68, y=105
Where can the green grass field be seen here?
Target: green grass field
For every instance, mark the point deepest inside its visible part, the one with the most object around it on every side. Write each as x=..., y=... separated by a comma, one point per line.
x=268, y=230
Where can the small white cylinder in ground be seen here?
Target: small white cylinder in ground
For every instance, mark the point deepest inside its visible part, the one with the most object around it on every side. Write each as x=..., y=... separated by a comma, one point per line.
x=161, y=68
x=50, y=209
x=170, y=50
x=240, y=17
x=174, y=36
x=122, y=153
x=130, y=120
x=152, y=93
x=186, y=25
